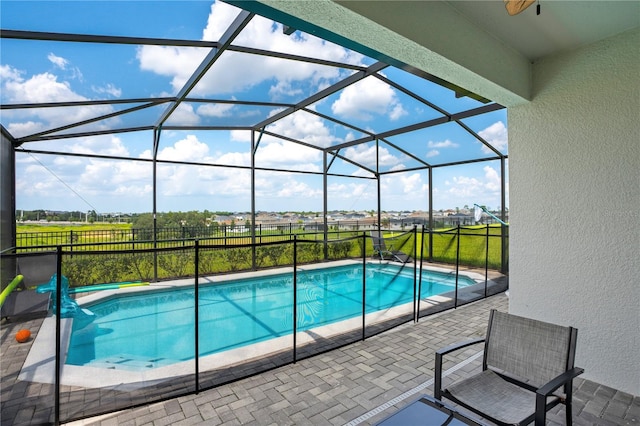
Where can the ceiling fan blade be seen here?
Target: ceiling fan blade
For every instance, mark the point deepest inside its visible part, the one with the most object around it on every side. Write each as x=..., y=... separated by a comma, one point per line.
x=516, y=6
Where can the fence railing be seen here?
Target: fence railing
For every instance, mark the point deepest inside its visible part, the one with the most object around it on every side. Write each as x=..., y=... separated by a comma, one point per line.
x=123, y=239
x=477, y=246
x=208, y=305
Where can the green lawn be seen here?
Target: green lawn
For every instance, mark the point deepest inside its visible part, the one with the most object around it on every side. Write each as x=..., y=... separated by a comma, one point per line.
x=85, y=269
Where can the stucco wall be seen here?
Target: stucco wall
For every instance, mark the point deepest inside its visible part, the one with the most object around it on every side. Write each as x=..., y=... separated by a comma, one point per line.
x=575, y=204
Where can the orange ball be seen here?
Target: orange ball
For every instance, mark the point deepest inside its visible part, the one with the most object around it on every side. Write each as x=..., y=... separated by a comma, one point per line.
x=23, y=335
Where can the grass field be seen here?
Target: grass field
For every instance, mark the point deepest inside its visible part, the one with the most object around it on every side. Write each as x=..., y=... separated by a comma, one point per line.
x=56, y=227
x=218, y=256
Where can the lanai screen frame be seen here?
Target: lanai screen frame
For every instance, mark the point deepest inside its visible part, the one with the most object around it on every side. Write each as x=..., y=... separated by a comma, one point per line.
x=258, y=129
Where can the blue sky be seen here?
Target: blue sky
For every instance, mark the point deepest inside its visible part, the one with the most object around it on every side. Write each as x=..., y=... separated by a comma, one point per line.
x=37, y=71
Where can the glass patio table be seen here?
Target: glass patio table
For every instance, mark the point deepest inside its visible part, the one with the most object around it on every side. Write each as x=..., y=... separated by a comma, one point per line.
x=427, y=411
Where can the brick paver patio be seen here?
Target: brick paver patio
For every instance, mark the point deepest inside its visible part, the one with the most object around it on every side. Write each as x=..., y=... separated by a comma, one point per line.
x=357, y=384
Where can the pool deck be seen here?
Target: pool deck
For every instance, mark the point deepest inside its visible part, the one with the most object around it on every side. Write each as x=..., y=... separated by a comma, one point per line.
x=357, y=384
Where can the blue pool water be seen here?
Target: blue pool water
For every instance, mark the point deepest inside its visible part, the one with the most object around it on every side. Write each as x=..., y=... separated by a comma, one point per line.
x=156, y=328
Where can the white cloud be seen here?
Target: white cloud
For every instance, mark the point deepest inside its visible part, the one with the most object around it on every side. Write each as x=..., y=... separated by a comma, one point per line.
x=288, y=155
x=109, y=89
x=461, y=190
x=284, y=89
x=184, y=115
x=215, y=110
x=171, y=61
x=247, y=70
x=397, y=167
x=187, y=149
x=411, y=183
x=25, y=128
x=397, y=111
x=39, y=88
x=433, y=153
x=10, y=74
x=43, y=88
x=496, y=135
x=298, y=189
x=304, y=127
x=95, y=180
x=100, y=145
x=58, y=61
x=63, y=64
x=493, y=181
x=465, y=187
x=365, y=154
x=234, y=159
x=442, y=144
x=404, y=191
x=367, y=98
x=351, y=195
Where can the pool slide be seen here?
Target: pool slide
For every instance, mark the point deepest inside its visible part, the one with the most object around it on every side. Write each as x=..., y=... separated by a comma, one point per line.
x=68, y=307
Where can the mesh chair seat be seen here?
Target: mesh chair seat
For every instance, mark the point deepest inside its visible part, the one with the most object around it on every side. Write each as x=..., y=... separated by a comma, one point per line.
x=502, y=400
x=527, y=369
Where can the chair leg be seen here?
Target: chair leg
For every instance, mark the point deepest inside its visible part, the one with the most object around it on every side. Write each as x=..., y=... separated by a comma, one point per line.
x=567, y=409
x=437, y=385
x=541, y=410
x=568, y=390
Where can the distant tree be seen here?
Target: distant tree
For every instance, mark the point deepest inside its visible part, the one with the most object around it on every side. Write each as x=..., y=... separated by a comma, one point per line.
x=145, y=221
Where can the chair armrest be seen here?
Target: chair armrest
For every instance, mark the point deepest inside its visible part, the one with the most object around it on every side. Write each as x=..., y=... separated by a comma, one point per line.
x=437, y=385
x=548, y=388
x=459, y=345
x=545, y=390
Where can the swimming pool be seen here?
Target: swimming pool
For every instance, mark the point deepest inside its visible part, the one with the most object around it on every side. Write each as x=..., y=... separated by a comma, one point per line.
x=150, y=329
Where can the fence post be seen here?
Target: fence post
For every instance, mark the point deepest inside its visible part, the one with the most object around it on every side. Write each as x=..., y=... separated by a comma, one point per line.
x=58, y=335
x=486, y=264
x=420, y=275
x=197, y=314
x=455, y=303
x=415, y=283
x=364, y=284
x=295, y=297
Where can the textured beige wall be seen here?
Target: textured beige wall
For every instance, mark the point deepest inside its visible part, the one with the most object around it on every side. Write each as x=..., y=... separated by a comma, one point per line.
x=574, y=155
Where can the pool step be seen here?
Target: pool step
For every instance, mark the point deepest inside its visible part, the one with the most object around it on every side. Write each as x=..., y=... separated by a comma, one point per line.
x=129, y=362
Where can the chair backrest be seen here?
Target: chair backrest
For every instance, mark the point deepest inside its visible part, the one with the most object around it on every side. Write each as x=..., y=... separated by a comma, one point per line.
x=37, y=269
x=378, y=241
x=531, y=350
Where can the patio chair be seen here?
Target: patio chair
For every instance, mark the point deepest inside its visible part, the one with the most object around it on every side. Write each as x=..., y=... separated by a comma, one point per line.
x=24, y=301
x=527, y=369
x=380, y=249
